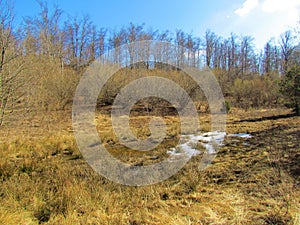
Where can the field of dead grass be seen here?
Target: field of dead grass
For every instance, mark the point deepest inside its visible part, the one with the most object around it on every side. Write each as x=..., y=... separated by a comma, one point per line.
x=45, y=180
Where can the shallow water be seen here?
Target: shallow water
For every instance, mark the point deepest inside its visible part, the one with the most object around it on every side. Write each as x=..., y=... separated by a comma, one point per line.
x=211, y=141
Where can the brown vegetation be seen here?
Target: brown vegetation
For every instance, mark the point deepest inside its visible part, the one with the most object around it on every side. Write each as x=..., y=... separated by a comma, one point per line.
x=44, y=179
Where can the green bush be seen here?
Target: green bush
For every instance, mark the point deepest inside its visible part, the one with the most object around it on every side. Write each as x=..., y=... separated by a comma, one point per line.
x=290, y=89
x=227, y=106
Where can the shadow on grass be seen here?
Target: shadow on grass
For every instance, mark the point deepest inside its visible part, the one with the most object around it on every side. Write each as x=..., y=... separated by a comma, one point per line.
x=284, y=116
x=283, y=145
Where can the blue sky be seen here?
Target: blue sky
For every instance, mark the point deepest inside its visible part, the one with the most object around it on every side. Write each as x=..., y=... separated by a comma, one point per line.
x=262, y=19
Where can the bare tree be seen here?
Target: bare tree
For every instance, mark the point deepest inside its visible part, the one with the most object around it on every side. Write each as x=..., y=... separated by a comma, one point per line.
x=132, y=34
x=233, y=53
x=80, y=36
x=116, y=39
x=48, y=32
x=180, y=41
x=197, y=50
x=145, y=51
x=190, y=49
x=210, y=38
x=10, y=62
x=246, y=54
x=101, y=41
x=287, y=48
x=30, y=45
x=92, y=45
x=162, y=52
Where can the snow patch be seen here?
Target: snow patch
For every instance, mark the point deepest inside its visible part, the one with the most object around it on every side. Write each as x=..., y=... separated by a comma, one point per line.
x=241, y=135
x=210, y=141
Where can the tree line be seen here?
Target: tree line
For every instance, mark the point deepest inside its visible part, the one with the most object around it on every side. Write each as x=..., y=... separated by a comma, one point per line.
x=46, y=45
x=77, y=42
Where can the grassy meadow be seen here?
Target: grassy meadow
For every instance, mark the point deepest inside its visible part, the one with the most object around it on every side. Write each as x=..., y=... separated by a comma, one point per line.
x=45, y=180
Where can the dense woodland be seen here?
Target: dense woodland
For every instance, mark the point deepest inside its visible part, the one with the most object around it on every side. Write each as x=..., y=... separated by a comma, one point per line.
x=43, y=58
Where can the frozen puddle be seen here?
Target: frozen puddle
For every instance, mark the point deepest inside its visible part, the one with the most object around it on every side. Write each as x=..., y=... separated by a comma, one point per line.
x=241, y=135
x=210, y=141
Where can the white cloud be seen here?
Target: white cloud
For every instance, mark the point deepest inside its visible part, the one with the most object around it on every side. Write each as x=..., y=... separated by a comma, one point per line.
x=247, y=7
x=271, y=6
x=264, y=19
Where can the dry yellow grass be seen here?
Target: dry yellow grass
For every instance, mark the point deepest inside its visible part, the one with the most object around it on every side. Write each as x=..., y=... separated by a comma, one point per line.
x=44, y=178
